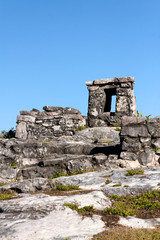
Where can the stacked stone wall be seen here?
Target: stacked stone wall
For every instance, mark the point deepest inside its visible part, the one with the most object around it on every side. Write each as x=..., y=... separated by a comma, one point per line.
x=100, y=92
x=52, y=122
x=140, y=138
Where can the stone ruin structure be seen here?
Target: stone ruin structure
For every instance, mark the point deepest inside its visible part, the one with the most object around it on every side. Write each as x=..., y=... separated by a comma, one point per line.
x=101, y=93
x=53, y=122
x=48, y=142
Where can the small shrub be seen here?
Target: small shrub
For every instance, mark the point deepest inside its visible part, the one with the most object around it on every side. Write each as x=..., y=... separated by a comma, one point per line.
x=86, y=209
x=117, y=185
x=128, y=205
x=115, y=197
x=134, y=172
x=116, y=125
x=117, y=129
x=9, y=134
x=80, y=210
x=80, y=128
x=71, y=206
x=126, y=186
x=155, y=149
x=13, y=164
x=67, y=187
x=122, y=209
x=57, y=175
x=6, y=196
x=106, y=176
x=108, y=181
x=3, y=184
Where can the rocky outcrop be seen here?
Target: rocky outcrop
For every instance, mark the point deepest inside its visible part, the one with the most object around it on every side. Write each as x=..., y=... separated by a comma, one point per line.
x=140, y=139
x=45, y=216
x=88, y=149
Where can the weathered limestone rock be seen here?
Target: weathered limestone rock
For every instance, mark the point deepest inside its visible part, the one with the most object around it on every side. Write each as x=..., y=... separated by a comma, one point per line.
x=21, y=131
x=146, y=157
x=128, y=156
x=140, y=136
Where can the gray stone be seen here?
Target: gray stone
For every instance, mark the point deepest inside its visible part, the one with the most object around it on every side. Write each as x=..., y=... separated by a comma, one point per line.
x=156, y=143
x=131, y=121
x=21, y=131
x=154, y=127
x=25, y=118
x=146, y=157
x=128, y=156
x=135, y=131
x=131, y=144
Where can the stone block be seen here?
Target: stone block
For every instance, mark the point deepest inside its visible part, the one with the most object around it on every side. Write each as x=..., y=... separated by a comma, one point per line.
x=113, y=80
x=126, y=85
x=26, y=118
x=128, y=156
x=89, y=83
x=135, y=131
x=53, y=109
x=131, y=145
x=154, y=127
x=146, y=157
x=21, y=131
x=130, y=121
x=122, y=104
x=156, y=143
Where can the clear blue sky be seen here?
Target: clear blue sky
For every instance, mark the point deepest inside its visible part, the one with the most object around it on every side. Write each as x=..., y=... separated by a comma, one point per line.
x=50, y=48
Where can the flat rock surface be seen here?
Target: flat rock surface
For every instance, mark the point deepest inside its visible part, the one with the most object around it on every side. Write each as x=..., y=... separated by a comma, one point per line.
x=41, y=216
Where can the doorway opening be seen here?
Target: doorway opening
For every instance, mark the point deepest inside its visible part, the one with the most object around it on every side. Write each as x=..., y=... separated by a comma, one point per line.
x=110, y=101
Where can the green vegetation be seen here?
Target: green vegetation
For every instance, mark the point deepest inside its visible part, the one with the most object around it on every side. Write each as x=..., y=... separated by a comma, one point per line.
x=13, y=164
x=9, y=134
x=60, y=174
x=67, y=187
x=6, y=195
x=80, y=210
x=106, y=176
x=117, y=185
x=128, y=206
x=3, y=184
x=80, y=128
x=126, y=186
x=108, y=181
x=124, y=233
x=139, y=114
x=155, y=149
x=134, y=172
x=118, y=129
x=116, y=125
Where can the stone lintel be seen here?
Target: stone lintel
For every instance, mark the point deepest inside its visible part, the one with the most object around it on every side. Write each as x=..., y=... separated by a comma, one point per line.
x=113, y=80
x=89, y=83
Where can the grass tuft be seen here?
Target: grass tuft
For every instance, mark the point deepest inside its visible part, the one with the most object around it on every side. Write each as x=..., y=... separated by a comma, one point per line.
x=80, y=210
x=108, y=181
x=117, y=185
x=67, y=187
x=80, y=128
x=134, y=172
